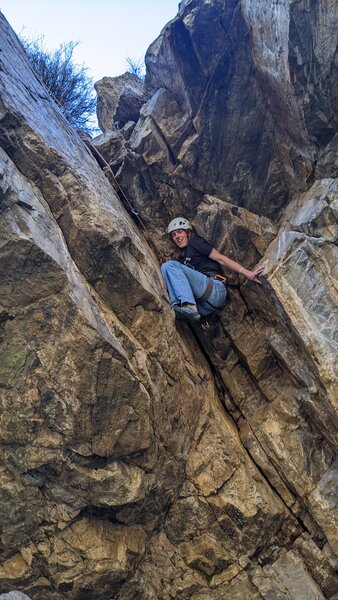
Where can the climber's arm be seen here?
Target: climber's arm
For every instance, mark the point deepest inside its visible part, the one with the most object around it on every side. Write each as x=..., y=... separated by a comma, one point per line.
x=235, y=266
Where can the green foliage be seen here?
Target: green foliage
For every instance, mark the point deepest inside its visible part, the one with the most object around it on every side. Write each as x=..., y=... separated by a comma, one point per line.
x=67, y=83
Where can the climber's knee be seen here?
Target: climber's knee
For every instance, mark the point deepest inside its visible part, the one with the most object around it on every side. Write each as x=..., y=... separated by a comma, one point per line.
x=169, y=264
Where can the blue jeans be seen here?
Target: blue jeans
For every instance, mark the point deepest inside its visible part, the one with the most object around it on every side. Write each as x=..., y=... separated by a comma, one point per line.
x=185, y=285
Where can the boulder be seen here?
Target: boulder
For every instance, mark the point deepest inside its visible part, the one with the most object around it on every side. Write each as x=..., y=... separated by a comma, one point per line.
x=119, y=100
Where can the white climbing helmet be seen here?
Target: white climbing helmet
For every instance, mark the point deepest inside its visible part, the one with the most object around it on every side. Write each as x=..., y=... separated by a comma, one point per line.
x=178, y=223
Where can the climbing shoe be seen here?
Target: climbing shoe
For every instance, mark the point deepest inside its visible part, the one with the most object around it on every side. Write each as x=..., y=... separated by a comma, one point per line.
x=186, y=312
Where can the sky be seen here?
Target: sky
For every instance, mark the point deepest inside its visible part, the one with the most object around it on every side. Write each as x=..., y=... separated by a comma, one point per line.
x=108, y=30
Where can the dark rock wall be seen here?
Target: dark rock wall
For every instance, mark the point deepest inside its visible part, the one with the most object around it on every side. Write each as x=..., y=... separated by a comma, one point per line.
x=313, y=60
x=244, y=96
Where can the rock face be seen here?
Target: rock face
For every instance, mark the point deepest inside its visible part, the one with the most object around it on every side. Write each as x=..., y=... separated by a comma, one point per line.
x=140, y=459
x=244, y=94
x=119, y=100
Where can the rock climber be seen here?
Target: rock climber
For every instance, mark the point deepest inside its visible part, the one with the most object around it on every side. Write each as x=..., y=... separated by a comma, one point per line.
x=195, y=281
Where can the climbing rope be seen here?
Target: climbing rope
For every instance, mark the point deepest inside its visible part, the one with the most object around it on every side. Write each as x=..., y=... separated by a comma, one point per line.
x=111, y=177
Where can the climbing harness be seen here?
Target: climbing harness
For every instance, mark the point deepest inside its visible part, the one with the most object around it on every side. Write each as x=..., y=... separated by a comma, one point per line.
x=207, y=292
x=208, y=289
x=219, y=278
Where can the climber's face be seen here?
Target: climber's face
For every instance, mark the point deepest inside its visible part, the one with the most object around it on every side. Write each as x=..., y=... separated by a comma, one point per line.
x=180, y=237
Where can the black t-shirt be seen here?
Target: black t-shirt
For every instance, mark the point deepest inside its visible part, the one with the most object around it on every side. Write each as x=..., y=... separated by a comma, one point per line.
x=196, y=256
